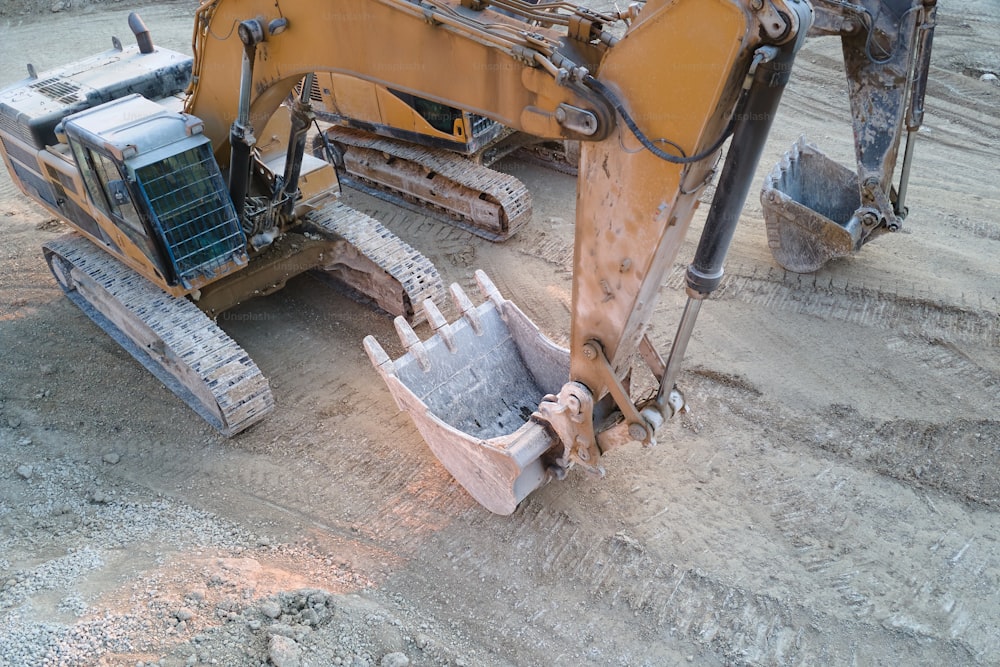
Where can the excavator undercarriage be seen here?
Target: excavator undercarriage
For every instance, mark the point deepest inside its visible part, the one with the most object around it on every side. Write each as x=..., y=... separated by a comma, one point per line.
x=486, y=202
x=429, y=157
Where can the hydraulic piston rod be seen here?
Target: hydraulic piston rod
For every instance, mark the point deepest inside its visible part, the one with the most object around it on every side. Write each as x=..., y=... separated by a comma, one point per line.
x=766, y=80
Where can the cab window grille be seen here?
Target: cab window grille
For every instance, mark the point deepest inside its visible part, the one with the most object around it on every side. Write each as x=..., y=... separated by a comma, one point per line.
x=192, y=211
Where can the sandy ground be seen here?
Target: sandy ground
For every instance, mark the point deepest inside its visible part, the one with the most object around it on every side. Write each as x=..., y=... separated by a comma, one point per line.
x=830, y=499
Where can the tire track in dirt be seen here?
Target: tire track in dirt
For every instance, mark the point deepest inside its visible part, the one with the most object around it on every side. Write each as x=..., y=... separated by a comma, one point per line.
x=930, y=592
x=833, y=514
x=954, y=455
x=910, y=311
x=931, y=471
x=979, y=228
x=740, y=625
x=949, y=361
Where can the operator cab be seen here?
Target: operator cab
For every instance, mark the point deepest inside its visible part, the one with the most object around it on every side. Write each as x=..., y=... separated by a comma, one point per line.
x=152, y=173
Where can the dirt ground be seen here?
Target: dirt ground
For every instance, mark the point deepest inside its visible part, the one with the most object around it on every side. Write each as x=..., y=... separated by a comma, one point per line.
x=832, y=497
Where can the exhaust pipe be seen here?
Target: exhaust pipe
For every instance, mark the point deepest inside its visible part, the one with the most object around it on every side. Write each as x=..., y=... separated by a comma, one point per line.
x=142, y=37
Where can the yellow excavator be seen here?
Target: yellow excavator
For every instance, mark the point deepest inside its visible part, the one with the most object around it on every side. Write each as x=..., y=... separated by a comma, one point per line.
x=428, y=157
x=182, y=212
x=124, y=148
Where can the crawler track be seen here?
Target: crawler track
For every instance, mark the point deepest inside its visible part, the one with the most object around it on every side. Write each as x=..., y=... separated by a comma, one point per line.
x=487, y=203
x=380, y=264
x=170, y=336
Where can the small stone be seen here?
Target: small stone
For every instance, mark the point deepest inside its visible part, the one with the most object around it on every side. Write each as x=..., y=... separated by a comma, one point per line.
x=396, y=659
x=282, y=629
x=271, y=609
x=25, y=471
x=284, y=652
x=184, y=614
x=989, y=77
x=24, y=442
x=13, y=422
x=254, y=624
x=422, y=641
x=112, y=458
x=99, y=497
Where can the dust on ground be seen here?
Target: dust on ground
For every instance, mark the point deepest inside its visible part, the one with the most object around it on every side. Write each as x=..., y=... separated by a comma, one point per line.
x=830, y=497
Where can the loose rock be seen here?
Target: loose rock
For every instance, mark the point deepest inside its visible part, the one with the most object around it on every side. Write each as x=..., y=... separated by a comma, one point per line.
x=284, y=652
x=396, y=659
x=271, y=609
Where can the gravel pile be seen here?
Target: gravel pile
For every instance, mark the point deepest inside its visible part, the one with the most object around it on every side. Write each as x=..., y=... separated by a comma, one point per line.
x=312, y=628
x=185, y=585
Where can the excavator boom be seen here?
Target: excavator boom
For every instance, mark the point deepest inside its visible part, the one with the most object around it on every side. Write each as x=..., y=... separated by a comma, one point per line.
x=653, y=108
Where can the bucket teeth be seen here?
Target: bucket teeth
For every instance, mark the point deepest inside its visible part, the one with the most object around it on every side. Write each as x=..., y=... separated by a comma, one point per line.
x=809, y=203
x=464, y=306
x=439, y=324
x=488, y=289
x=471, y=388
x=408, y=337
x=377, y=355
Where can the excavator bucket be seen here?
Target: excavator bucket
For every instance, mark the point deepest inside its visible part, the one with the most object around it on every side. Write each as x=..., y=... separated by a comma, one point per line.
x=809, y=202
x=471, y=389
